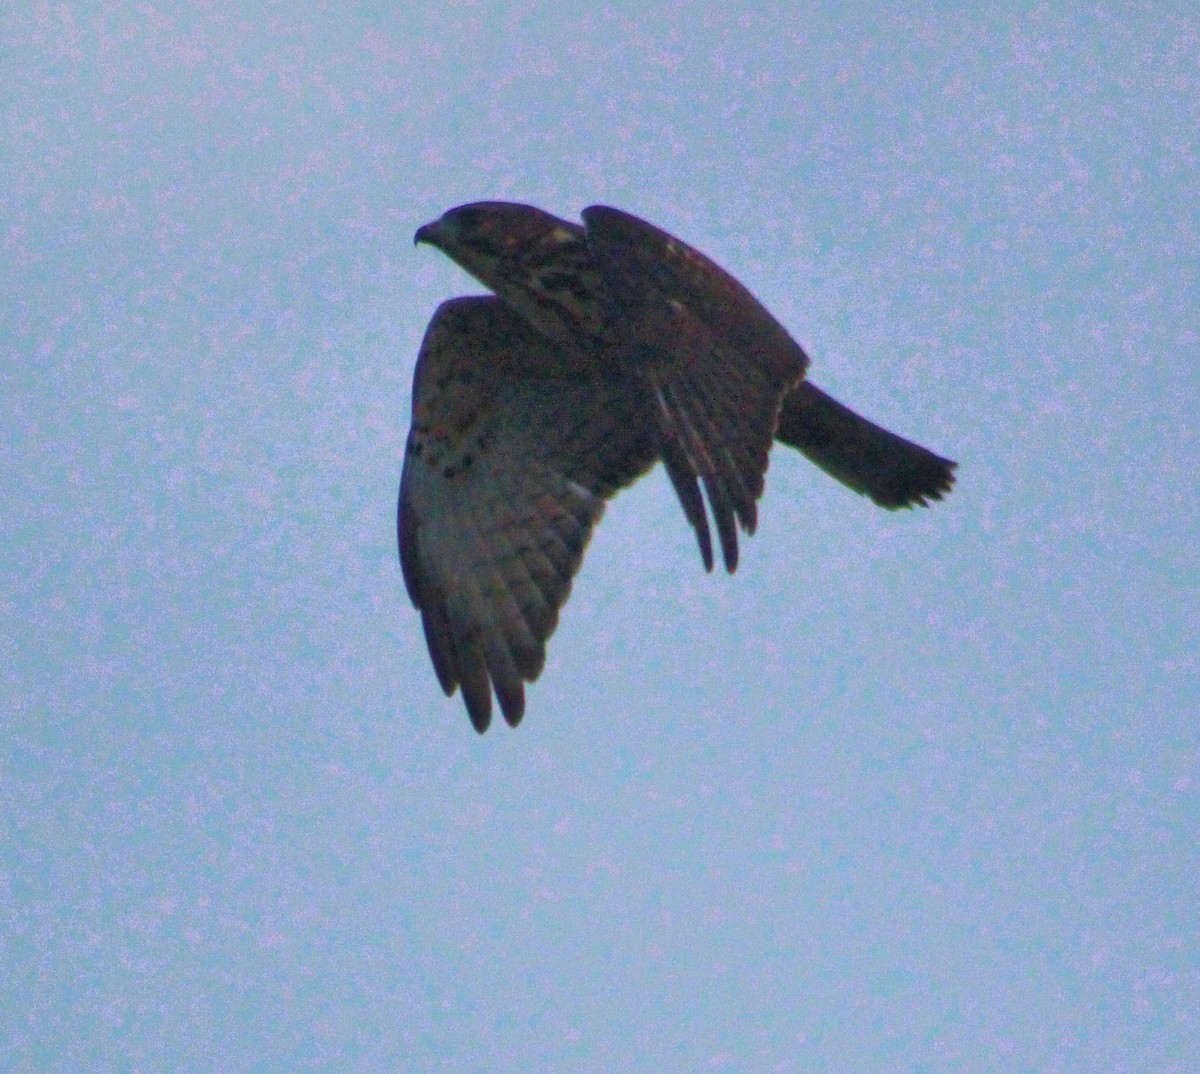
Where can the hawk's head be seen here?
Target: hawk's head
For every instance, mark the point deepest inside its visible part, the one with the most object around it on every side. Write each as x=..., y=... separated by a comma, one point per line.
x=491, y=238
x=538, y=264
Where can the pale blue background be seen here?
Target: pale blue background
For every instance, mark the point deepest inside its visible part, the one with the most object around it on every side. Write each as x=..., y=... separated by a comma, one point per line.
x=913, y=792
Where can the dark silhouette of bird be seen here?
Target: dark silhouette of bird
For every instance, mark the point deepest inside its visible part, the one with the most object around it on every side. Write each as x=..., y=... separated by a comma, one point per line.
x=604, y=348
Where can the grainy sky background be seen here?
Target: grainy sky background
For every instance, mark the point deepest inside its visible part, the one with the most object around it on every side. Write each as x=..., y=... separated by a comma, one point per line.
x=913, y=792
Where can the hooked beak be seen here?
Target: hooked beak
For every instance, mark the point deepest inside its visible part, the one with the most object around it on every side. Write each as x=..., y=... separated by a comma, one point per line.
x=429, y=233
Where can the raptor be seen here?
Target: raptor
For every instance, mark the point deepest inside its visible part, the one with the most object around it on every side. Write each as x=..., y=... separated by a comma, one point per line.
x=603, y=348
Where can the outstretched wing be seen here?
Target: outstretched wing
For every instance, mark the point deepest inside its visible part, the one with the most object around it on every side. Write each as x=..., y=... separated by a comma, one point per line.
x=713, y=363
x=508, y=464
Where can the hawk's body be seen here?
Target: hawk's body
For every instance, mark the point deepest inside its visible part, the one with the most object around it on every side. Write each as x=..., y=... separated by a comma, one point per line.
x=604, y=349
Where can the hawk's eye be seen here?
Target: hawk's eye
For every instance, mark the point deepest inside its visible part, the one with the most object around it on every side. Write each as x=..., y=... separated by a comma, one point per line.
x=482, y=231
x=486, y=245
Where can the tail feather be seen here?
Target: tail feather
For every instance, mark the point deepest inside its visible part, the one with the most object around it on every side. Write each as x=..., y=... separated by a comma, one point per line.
x=892, y=471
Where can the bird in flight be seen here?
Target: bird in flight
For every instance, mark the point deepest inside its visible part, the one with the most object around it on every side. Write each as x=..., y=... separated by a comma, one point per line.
x=604, y=347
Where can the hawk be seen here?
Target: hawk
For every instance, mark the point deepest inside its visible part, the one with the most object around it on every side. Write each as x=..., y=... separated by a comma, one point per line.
x=603, y=349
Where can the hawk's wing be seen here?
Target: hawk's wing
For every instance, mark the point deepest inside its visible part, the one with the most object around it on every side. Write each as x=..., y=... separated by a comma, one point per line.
x=506, y=470
x=714, y=366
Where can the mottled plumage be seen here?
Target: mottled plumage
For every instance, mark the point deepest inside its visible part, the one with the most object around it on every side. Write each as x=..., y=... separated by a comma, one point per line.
x=606, y=348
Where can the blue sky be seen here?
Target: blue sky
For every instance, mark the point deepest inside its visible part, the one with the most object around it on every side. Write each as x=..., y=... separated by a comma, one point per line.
x=913, y=792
